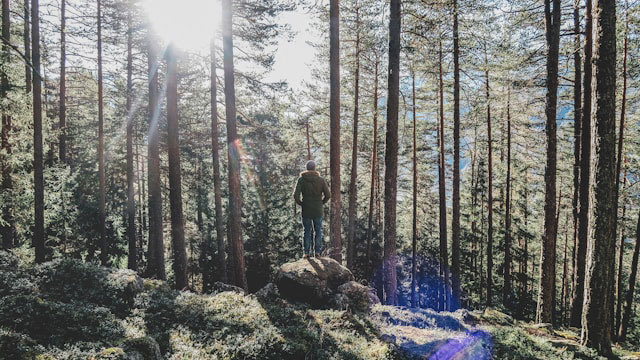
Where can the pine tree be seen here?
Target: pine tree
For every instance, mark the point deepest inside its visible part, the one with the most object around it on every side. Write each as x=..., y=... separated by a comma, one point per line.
x=38, y=176
x=234, y=222
x=335, y=250
x=596, y=317
x=391, y=156
x=546, y=297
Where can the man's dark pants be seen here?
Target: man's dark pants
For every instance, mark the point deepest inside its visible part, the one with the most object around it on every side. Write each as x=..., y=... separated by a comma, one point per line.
x=309, y=225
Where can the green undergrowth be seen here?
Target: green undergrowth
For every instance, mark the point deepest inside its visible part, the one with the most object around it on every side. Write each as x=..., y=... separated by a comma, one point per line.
x=66, y=309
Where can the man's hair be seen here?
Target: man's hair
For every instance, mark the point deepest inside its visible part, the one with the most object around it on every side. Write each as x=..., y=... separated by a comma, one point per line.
x=311, y=165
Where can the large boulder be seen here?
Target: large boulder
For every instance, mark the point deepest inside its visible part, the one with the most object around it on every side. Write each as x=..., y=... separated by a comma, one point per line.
x=358, y=295
x=312, y=280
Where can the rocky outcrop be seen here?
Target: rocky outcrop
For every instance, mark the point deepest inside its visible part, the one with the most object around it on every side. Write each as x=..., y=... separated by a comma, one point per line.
x=322, y=283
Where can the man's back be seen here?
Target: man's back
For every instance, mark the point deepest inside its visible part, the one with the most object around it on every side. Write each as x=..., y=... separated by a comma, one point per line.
x=315, y=192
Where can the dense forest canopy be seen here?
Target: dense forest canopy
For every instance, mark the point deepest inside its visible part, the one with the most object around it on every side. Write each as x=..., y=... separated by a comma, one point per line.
x=480, y=153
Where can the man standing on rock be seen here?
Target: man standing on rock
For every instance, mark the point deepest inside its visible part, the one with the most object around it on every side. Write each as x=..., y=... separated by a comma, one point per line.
x=315, y=193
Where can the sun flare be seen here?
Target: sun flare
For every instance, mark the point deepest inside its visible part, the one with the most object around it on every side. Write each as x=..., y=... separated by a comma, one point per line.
x=188, y=24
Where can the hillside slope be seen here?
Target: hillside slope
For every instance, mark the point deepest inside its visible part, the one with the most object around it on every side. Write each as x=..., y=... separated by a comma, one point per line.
x=67, y=309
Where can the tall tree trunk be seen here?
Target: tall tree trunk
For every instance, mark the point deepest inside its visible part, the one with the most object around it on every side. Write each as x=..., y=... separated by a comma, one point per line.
x=414, y=221
x=62, y=147
x=577, y=126
x=27, y=47
x=234, y=223
x=585, y=165
x=628, y=311
x=139, y=175
x=353, y=186
x=546, y=296
x=524, y=298
x=222, y=263
x=596, y=317
x=38, y=179
x=7, y=230
x=444, y=256
x=175, y=181
x=455, y=216
x=104, y=254
x=335, y=249
x=475, y=168
x=391, y=157
x=490, y=187
x=308, y=140
x=506, y=294
x=619, y=170
x=374, y=160
x=131, y=202
x=155, y=255
x=619, y=286
x=565, y=270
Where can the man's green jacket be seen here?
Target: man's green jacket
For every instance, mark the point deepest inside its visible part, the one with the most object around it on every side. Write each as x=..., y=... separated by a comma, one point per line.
x=315, y=192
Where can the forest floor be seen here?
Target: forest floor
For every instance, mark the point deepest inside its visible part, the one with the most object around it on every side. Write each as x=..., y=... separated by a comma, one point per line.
x=67, y=309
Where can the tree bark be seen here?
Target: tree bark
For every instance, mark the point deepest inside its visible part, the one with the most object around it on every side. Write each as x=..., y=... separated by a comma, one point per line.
x=444, y=256
x=524, y=291
x=414, y=231
x=335, y=249
x=62, y=146
x=139, y=175
x=175, y=181
x=506, y=294
x=234, y=223
x=455, y=216
x=222, y=263
x=353, y=186
x=619, y=286
x=131, y=202
x=38, y=179
x=104, y=254
x=155, y=255
x=623, y=108
x=27, y=47
x=7, y=230
x=628, y=310
x=308, y=139
x=374, y=160
x=565, y=270
x=546, y=296
x=585, y=164
x=489, y=188
x=596, y=317
x=391, y=157
x=577, y=129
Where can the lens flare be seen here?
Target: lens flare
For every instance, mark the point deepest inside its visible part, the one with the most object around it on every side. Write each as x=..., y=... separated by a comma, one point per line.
x=188, y=24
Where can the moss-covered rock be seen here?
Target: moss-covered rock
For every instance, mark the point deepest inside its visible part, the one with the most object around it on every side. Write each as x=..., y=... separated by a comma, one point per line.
x=495, y=317
x=312, y=280
x=357, y=294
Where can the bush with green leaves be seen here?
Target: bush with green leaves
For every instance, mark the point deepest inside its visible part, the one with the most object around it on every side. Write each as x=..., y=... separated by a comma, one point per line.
x=70, y=280
x=57, y=323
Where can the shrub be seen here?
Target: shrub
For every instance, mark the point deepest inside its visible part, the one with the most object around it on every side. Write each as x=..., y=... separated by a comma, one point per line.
x=69, y=280
x=17, y=346
x=55, y=323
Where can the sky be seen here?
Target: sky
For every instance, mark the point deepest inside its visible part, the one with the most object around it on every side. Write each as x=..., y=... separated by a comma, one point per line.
x=293, y=57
